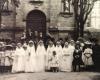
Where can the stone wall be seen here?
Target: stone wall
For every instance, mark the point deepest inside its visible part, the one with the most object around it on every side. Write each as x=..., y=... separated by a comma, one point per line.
x=51, y=8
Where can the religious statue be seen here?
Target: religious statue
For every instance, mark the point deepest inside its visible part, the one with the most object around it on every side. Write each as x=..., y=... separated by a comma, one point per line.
x=66, y=5
x=4, y=4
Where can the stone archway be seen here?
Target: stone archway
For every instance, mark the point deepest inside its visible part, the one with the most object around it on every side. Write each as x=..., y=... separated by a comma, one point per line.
x=36, y=24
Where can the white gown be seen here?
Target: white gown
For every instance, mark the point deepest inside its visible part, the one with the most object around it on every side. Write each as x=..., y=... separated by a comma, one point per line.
x=32, y=60
x=26, y=61
x=59, y=54
x=18, y=62
x=66, y=60
x=71, y=51
x=49, y=55
x=41, y=58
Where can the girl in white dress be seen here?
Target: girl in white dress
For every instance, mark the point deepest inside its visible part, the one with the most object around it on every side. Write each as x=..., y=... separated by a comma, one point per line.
x=26, y=58
x=8, y=58
x=32, y=66
x=59, y=52
x=71, y=51
x=18, y=62
x=54, y=62
x=49, y=54
x=41, y=57
x=66, y=58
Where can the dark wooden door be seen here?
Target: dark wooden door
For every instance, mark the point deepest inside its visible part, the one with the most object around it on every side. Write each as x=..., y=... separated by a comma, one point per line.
x=36, y=24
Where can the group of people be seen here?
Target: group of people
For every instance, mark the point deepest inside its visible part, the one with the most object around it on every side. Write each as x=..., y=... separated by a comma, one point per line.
x=55, y=57
x=70, y=57
x=27, y=59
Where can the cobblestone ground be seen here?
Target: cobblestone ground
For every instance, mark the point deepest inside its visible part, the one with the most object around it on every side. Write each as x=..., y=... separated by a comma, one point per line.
x=51, y=76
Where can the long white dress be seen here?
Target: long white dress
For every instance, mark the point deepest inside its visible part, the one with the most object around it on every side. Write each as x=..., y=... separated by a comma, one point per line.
x=18, y=62
x=70, y=60
x=59, y=52
x=26, y=60
x=49, y=54
x=32, y=59
x=41, y=58
x=66, y=60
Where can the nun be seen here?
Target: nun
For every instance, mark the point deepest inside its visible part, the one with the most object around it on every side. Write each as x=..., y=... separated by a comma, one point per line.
x=18, y=61
x=41, y=57
x=32, y=63
x=49, y=54
x=58, y=50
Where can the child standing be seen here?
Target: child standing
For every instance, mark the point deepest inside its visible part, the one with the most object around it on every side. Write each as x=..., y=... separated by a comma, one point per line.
x=54, y=62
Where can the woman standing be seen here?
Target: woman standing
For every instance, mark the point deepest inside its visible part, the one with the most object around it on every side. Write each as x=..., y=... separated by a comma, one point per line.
x=87, y=55
x=41, y=57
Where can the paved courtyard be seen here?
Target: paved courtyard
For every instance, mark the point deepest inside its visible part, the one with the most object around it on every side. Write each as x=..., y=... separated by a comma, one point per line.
x=51, y=76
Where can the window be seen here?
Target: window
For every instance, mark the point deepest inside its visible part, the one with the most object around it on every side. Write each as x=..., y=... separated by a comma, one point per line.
x=95, y=16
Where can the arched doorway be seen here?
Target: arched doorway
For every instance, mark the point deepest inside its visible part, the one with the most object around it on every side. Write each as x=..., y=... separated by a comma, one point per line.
x=36, y=25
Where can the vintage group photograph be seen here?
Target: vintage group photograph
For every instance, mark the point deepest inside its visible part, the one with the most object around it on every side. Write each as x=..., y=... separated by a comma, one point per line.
x=49, y=39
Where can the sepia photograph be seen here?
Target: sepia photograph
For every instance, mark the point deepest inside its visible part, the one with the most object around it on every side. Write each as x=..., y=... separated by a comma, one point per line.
x=49, y=39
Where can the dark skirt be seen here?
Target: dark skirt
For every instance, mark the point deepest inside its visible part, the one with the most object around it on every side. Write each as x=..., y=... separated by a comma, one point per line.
x=78, y=62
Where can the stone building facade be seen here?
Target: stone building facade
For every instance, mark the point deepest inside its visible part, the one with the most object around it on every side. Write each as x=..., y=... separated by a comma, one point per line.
x=52, y=20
